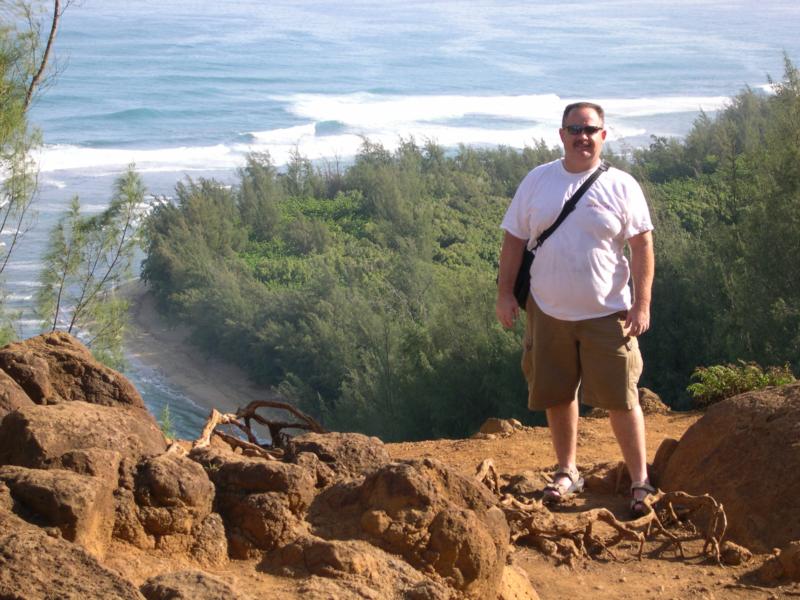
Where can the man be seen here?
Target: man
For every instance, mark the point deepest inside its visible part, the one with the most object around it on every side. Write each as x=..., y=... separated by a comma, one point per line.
x=582, y=320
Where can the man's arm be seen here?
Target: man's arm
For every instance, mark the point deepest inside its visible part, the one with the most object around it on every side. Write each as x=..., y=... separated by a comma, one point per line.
x=642, y=269
x=506, y=307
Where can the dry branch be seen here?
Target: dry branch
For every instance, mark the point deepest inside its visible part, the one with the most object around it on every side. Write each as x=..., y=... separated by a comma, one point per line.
x=571, y=535
x=241, y=420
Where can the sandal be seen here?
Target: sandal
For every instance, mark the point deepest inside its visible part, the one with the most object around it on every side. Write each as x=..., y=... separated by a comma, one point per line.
x=558, y=492
x=638, y=507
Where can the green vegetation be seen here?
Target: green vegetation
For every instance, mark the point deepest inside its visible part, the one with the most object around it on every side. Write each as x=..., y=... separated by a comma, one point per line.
x=27, y=34
x=724, y=381
x=366, y=295
x=165, y=423
x=86, y=259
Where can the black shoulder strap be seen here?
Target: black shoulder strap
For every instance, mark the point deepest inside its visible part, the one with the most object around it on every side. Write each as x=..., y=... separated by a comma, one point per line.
x=569, y=205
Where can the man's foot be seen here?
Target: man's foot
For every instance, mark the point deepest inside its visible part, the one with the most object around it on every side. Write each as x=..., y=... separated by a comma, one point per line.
x=566, y=483
x=640, y=490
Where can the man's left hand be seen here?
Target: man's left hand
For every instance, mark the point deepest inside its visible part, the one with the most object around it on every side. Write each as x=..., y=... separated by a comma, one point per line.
x=638, y=320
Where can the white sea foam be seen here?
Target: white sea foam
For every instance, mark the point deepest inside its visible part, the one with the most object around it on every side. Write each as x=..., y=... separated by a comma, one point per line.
x=448, y=120
x=56, y=183
x=111, y=160
x=375, y=111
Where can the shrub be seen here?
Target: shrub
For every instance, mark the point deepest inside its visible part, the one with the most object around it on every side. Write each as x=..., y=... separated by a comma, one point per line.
x=719, y=382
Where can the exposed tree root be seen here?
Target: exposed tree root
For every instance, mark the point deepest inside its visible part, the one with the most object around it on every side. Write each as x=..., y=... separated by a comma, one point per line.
x=242, y=420
x=571, y=536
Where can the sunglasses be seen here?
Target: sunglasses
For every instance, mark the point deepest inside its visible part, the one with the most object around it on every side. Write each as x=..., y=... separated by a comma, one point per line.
x=579, y=129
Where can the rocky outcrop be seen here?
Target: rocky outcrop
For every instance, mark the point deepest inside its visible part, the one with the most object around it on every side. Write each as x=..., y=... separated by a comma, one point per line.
x=731, y=453
x=80, y=506
x=83, y=469
x=42, y=437
x=347, y=454
x=262, y=502
x=36, y=564
x=55, y=367
x=439, y=521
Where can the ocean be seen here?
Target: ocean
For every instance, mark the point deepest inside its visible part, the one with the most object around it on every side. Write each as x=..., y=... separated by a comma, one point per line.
x=189, y=87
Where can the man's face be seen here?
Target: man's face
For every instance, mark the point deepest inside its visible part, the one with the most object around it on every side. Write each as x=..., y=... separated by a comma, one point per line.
x=582, y=148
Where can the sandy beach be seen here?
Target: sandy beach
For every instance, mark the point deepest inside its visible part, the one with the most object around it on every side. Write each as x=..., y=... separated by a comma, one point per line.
x=163, y=345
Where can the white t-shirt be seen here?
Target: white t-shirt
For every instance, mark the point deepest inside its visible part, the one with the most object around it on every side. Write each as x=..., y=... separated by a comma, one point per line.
x=580, y=272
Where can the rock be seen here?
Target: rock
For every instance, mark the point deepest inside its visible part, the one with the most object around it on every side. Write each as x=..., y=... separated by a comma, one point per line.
x=734, y=554
x=209, y=544
x=498, y=426
x=730, y=451
x=56, y=367
x=523, y=484
x=515, y=585
x=427, y=513
x=362, y=565
x=52, y=436
x=80, y=506
x=12, y=396
x=789, y=558
x=664, y=452
x=651, y=403
x=173, y=494
x=35, y=565
x=347, y=454
x=323, y=474
x=783, y=566
x=188, y=585
x=262, y=502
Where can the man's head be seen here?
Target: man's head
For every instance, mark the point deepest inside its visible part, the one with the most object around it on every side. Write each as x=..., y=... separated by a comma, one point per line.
x=582, y=133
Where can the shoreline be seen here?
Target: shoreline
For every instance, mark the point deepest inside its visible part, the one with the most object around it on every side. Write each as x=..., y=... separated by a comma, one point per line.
x=163, y=346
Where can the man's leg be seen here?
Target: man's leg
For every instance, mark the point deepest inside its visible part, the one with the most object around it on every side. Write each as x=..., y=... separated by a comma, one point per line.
x=628, y=427
x=563, y=422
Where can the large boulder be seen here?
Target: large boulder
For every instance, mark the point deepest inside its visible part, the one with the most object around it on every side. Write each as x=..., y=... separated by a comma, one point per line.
x=80, y=506
x=46, y=436
x=744, y=452
x=55, y=367
x=439, y=521
x=36, y=565
x=347, y=454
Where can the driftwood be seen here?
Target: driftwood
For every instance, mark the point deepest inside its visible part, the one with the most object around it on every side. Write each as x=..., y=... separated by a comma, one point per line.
x=242, y=419
x=571, y=536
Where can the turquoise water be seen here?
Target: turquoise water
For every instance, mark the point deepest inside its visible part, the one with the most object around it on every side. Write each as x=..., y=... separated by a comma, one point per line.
x=189, y=87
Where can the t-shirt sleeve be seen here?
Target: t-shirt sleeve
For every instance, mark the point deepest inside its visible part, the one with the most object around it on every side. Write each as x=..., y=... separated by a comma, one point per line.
x=515, y=221
x=638, y=217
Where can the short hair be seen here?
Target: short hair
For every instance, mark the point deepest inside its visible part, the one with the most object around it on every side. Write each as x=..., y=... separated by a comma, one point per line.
x=576, y=105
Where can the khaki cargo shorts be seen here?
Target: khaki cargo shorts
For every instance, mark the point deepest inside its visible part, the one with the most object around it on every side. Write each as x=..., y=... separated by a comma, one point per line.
x=595, y=353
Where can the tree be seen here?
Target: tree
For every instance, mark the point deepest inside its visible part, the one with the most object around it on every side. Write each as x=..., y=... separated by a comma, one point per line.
x=87, y=258
x=25, y=59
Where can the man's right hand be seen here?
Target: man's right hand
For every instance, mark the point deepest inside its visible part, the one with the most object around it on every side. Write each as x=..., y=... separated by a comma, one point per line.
x=506, y=309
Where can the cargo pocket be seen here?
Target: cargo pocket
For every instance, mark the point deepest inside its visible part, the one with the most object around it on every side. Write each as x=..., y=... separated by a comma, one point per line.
x=635, y=366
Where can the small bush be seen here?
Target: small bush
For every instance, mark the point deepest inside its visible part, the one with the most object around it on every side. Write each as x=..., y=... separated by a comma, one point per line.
x=719, y=382
x=165, y=422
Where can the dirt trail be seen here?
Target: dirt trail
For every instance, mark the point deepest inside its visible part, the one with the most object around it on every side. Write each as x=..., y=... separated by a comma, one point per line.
x=654, y=577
